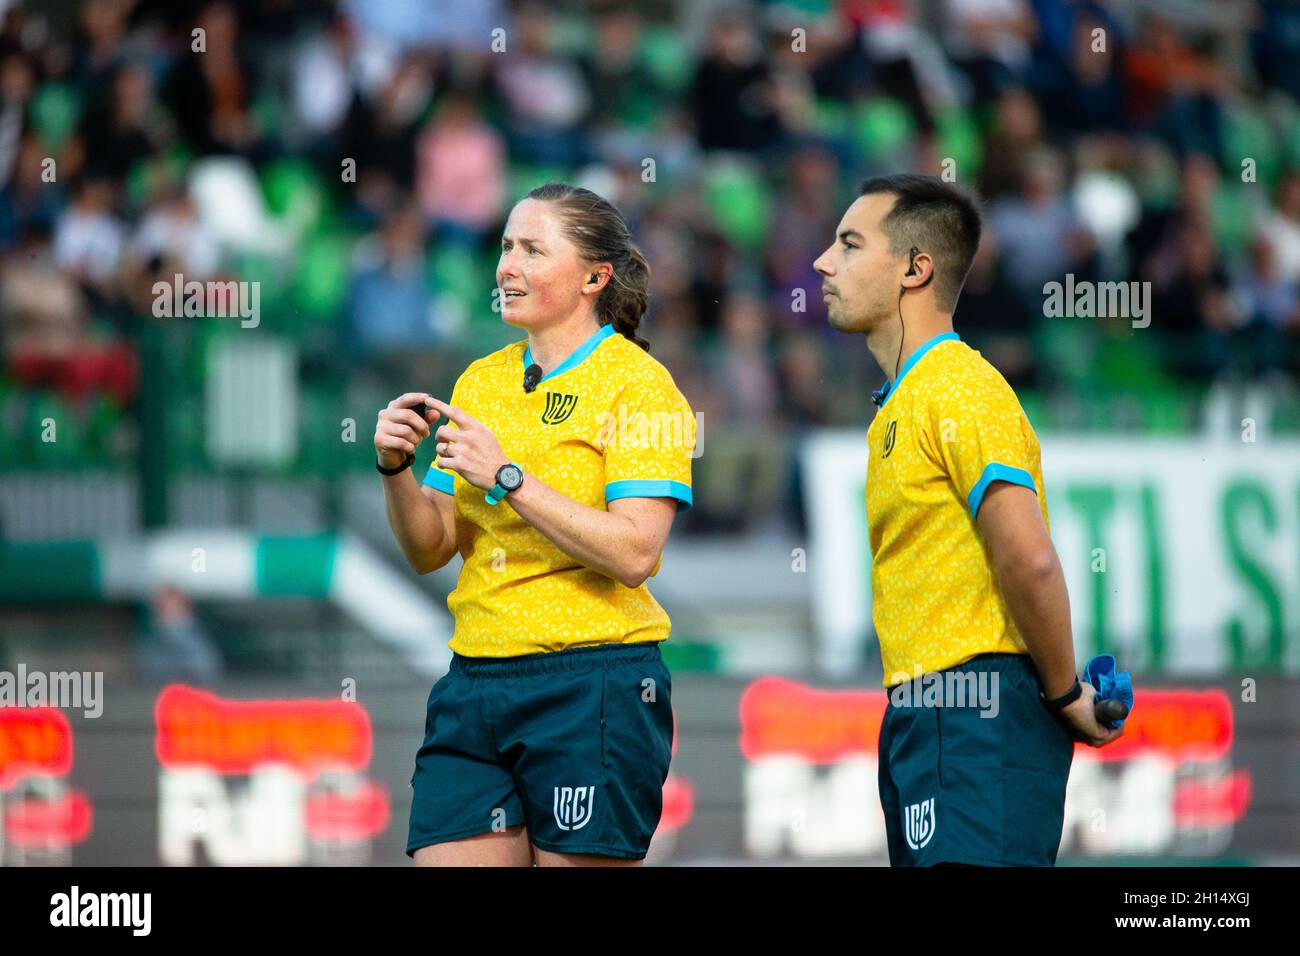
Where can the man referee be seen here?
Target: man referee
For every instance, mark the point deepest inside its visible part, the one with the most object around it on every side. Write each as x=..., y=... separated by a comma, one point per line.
x=967, y=588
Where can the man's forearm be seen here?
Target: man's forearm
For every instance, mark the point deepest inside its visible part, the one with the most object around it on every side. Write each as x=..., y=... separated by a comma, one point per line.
x=1039, y=604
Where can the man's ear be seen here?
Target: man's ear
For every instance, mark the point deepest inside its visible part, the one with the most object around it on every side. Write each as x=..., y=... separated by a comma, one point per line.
x=920, y=274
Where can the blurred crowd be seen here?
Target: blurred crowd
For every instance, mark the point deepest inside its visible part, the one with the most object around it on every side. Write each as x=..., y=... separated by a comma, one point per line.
x=358, y=159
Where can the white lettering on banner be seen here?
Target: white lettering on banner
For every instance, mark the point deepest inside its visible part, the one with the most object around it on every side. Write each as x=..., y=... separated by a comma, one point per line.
x=1137, y=805
x=795, y=807
x=259, y=824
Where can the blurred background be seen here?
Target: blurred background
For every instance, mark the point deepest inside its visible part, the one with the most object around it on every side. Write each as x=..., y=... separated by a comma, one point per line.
x=187, y=498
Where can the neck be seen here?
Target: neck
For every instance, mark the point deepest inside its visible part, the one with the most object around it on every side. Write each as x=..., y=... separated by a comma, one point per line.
x=918, y=328
x=551, y=345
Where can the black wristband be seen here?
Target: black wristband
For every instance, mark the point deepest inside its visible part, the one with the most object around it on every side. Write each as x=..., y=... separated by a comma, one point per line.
x=1059, y=704
x=389, y=472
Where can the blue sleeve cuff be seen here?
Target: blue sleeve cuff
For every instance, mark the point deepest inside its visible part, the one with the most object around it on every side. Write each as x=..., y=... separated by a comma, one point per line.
x=996, y=471
x=658, y=488
x=440, y=481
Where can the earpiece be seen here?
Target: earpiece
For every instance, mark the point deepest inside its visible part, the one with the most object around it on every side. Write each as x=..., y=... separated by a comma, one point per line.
x=911, y=261
x=595, y=277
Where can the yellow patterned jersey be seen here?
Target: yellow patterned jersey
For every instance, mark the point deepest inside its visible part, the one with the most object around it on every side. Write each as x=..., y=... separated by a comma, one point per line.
x=949, y=426
x=606, y=423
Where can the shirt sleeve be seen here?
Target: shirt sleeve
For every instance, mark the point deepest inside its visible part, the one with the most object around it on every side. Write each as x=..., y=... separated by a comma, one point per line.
x=649, y=437
x=440, y=478
x=976, y=431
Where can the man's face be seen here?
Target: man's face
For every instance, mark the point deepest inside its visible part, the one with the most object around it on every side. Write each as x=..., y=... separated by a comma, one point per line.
x=860, y=276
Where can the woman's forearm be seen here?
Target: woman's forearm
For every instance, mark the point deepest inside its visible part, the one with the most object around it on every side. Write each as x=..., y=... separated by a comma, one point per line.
x=601, y=540
x=416, y=525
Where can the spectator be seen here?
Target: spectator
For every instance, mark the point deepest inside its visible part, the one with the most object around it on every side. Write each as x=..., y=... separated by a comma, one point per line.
x=1016, y=133
x=177, y=646
x=1270, y=305
x=211, y=92
x=462, y=171
x=16, y=84
x=1037, y=230
x=992, y=318
x=390, y=304
x=546, y=95
x=90, y=236
x=29, y=205
x=990, y=41
x=124, y=132
x=807, y=211
x=1190, y=293
x=732, y=95
x=1281, y=227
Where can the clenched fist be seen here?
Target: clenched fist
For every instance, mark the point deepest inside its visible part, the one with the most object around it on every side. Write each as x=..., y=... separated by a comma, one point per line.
x=400, y=430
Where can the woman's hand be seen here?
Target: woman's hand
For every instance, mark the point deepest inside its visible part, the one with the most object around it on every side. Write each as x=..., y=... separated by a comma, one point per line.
x=470, y=449
x=400, y=430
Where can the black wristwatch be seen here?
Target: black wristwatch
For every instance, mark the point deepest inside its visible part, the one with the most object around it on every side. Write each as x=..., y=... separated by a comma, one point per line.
x=1058, y=704
x=509, y=477
x=389, y=472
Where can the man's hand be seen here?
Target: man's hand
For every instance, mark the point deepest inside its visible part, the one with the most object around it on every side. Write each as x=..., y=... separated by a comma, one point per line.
x=469, y=449
x=1083, y=721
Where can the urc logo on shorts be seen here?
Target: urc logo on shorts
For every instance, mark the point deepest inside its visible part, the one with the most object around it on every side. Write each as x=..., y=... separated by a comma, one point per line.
x=572, y=806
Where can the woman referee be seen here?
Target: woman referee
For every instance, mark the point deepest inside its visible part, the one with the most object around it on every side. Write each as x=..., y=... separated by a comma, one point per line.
x=557, y=477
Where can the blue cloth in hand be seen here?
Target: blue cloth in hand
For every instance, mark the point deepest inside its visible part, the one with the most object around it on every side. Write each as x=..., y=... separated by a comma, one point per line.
x=1109, y=683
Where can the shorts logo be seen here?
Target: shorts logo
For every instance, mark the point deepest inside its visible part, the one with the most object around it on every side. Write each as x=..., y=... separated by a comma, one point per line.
x=918, y=823
x=558, y=407
x=573, y=807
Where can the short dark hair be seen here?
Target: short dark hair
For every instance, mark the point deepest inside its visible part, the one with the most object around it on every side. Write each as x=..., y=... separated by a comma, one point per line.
x=937, y=218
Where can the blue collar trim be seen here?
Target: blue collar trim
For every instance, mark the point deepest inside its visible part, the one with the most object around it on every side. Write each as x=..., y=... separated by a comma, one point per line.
x=915, y=357
x=579, y=354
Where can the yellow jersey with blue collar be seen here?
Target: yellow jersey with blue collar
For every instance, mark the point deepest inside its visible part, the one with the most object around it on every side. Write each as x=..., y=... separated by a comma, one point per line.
x=607, y=423
x=948, y=427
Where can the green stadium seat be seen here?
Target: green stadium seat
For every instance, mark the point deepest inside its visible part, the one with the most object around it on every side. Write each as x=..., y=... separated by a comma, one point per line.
x=830, y=118
x=454, y=270
x=55, y=112
x=321, y=283
x=525, y=177
x=738, y=200
x=294, y=194
x=1248, y=133
x=959, y=140
x=881, y=125
x=667, y=56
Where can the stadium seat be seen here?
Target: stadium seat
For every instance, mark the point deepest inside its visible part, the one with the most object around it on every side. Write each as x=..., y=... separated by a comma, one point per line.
x=738, y=200
x=881, y=125
x=56, y=110
x=294, y=195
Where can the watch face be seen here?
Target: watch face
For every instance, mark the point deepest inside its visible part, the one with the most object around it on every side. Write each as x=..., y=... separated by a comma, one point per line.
x=510, y=477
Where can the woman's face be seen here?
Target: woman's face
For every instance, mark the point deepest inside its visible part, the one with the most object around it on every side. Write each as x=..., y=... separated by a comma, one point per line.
x=541, y=275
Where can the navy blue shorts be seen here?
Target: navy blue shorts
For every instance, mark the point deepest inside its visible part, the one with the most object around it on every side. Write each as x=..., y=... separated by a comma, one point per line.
x=574, y=744
x=958, y=787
